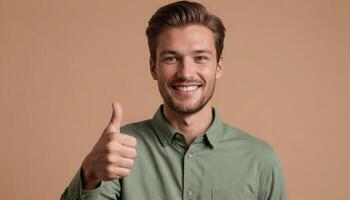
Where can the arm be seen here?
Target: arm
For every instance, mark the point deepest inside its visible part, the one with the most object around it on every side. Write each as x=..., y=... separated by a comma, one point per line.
x=105, y=190
x=271, y=181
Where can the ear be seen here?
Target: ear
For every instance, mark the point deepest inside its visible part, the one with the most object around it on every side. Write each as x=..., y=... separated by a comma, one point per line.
x=152, y=67
x=219, y=68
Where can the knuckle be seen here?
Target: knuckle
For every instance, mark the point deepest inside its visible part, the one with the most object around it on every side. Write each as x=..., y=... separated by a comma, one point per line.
x=132, y=163
x=110, y=158
x=128, y=163
x=133, y=141
x=111, y=177
x=115, y=137
x=123, y=172
x=118, y=137
x=113, y=146
x=121, y=162
x=133, y=155
x=109, y=170
x=126, y=172
x=110, y=146
x=118, y=160
x=114, y=176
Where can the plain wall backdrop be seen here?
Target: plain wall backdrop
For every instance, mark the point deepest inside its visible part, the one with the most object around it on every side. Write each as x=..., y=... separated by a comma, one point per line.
x=286, y=80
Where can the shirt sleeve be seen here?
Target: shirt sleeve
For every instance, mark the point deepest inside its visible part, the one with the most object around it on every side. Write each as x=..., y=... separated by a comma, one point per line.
x=107, y=190
x=271, y=181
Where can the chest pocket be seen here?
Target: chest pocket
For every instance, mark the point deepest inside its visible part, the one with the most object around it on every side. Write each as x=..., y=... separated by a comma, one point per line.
x=217, y=194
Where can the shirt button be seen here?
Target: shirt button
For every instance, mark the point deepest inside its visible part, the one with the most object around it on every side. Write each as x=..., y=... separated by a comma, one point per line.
x=190, y=155
x=189, y=193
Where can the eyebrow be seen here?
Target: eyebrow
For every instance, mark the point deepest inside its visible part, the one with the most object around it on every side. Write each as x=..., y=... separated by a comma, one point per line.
x=203, y=51
x=194, y=51
x=168, y=52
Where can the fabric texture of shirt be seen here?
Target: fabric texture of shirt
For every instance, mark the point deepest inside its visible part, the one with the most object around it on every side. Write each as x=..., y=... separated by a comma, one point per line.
x=224, y=163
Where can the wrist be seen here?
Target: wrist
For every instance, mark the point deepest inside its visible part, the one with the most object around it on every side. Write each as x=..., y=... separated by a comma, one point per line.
x=88, y=178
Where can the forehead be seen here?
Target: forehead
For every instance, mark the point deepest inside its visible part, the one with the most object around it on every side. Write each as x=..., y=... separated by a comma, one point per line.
x=186, y=39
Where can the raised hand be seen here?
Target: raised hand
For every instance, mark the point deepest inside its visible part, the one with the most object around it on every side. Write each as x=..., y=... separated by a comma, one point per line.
x=113, y=155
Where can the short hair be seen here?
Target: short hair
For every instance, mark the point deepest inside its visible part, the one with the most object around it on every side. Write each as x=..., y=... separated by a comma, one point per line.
x=181, y=14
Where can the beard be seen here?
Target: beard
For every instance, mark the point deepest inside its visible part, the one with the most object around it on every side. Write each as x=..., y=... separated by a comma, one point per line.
x=185, y=110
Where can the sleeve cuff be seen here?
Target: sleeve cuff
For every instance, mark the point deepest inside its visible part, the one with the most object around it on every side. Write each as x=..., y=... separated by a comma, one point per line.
x=76, y=192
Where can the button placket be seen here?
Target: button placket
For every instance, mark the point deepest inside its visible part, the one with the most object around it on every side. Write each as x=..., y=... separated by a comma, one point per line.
x=188, y=180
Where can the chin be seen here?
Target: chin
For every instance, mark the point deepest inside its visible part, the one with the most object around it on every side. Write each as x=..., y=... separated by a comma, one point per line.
x=186, y=109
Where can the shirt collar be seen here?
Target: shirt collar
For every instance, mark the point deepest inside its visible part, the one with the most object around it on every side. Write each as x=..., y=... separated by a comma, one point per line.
x=166, y=132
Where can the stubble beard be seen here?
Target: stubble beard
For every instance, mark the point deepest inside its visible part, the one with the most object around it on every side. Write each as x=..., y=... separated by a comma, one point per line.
x=189, y=110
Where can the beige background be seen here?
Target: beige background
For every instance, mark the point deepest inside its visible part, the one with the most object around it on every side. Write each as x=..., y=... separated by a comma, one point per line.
x=286, y=80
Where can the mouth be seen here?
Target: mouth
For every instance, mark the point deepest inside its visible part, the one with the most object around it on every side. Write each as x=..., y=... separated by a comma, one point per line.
x=186, y=88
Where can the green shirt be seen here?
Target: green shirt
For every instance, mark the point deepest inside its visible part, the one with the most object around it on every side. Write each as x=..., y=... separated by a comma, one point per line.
x=224, y=163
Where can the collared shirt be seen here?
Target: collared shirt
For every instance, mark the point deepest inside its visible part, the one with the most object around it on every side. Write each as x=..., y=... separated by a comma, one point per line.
x=224, y=163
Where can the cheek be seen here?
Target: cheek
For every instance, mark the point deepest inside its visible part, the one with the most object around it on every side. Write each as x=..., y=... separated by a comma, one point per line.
x=208, y=73
x=165, y=74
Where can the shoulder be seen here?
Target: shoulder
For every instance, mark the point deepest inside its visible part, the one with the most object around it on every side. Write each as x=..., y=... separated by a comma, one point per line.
x=136, y=125
x=262, y=149
x=141, y=130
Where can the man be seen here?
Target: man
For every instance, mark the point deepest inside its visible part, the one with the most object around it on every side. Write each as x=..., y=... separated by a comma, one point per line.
x=185, y=151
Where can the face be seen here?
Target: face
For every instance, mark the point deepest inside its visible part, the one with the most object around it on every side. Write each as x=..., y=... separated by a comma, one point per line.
x=186, y=67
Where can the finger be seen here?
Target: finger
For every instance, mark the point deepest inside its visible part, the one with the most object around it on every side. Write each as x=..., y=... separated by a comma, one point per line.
x=123, y=172
x=117, y=114
x=117, y=172
x=118, y=150
x=128, y=152
x=126, y=163
x=126, y=140
x=119, y=160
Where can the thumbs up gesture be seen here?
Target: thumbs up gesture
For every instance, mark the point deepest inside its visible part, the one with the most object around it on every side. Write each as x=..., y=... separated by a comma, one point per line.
x=113, y=155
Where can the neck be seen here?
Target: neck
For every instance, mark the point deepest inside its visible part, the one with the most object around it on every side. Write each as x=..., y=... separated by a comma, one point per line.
x=190, y=125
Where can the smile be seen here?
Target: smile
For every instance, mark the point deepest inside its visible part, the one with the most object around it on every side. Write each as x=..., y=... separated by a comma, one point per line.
x=186, y=88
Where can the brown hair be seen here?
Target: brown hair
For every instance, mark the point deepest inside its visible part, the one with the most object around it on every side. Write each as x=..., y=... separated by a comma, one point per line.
x=180, y=14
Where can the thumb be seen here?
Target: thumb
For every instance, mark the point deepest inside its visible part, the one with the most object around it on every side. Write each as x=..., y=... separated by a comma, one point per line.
x=116, y=119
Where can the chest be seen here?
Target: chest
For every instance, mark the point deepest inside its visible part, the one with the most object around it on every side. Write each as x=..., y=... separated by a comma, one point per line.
x=199, y=173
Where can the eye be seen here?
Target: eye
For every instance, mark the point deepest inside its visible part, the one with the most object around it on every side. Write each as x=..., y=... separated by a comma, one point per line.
x=170, y=59
x=201, y=58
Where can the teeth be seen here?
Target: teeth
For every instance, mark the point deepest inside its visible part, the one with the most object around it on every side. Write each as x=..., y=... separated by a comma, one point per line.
x=186, y=88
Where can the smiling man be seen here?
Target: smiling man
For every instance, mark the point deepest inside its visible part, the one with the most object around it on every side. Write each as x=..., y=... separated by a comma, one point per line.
x=186, y=68
x=185, y=151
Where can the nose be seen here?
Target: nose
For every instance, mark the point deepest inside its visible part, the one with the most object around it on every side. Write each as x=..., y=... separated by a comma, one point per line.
x=186, y=69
